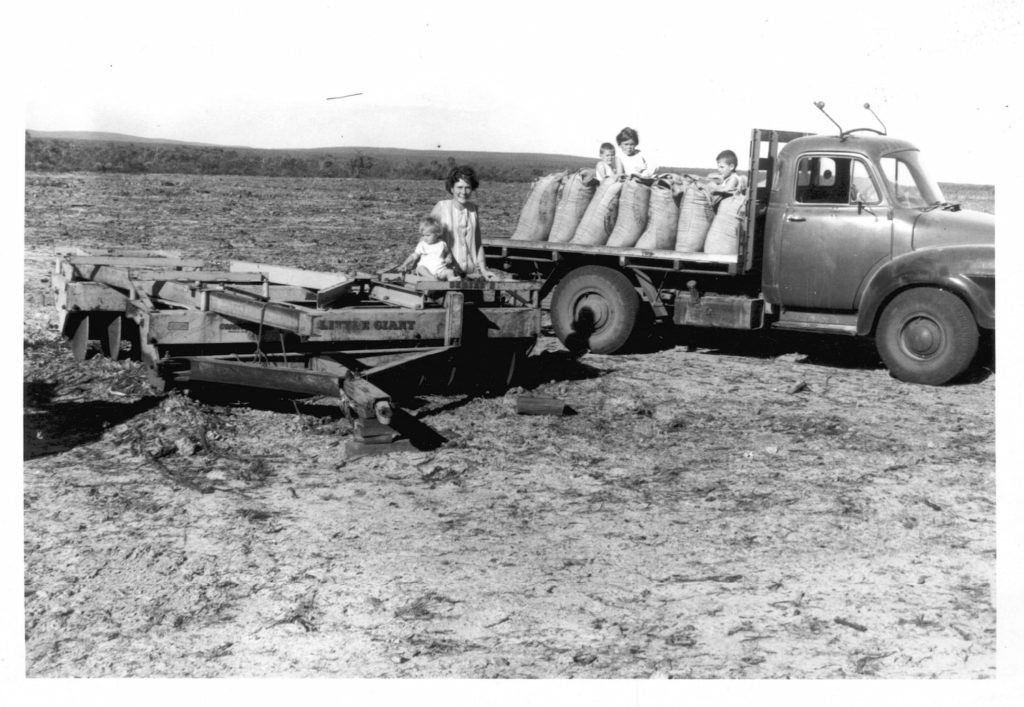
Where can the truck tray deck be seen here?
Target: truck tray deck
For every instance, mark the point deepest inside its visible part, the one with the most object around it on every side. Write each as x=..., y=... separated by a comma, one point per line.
x=667, y=260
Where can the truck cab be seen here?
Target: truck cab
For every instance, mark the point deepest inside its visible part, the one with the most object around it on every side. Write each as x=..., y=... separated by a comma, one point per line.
x=858, y=239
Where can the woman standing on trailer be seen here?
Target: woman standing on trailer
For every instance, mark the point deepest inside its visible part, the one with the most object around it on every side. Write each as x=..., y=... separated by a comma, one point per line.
x=461, y=223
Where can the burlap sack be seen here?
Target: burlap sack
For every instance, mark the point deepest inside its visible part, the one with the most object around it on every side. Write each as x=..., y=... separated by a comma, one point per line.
x=695, y=216
x=723, y=236
x=539, y=210
x=634, y=201
x=577, y=193
x=662, y=217
x=599, y=219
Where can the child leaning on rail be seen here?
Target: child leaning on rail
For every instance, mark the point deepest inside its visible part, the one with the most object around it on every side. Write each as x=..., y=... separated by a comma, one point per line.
x=431, y=257
x=731, y=183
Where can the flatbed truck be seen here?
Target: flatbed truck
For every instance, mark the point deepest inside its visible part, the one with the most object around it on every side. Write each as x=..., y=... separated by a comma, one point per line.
x=842, y=234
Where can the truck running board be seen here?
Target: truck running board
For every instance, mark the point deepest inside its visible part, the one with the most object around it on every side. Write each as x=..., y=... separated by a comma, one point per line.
x=845, y=324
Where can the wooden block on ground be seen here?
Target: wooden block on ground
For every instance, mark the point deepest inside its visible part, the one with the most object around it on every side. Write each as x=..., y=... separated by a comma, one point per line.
x=355, y=448
x=386, y=438
x=370, y=427
x=539, y=405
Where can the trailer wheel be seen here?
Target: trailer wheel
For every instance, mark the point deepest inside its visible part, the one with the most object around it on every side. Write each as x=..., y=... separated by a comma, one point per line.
x=927, y=336
x=594, y=308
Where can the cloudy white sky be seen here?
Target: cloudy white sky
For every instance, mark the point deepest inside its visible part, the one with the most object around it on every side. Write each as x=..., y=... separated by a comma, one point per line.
x=693, y=78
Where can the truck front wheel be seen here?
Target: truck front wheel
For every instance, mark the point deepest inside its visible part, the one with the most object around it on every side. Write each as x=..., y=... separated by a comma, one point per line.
x=927, y=336
x=594, y=308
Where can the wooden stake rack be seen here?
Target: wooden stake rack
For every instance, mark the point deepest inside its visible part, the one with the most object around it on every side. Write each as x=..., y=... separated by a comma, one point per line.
x=344, y=336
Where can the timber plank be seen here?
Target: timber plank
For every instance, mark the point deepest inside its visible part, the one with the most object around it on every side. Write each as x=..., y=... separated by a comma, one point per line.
x=139, y=262
x=281, y=275
x=200, y=276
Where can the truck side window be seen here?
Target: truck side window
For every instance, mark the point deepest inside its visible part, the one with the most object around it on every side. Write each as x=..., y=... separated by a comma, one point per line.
x=834, y=180
x=818, y=180
x=862, y=187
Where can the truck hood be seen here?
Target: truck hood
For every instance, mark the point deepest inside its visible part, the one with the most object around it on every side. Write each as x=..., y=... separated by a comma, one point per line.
x=939, y=228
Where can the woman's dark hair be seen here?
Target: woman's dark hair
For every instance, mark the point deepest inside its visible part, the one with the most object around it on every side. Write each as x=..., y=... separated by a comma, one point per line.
x=464, y=172
x=627, y=134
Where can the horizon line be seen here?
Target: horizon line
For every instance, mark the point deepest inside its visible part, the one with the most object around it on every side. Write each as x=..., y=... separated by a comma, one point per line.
x=126, y=137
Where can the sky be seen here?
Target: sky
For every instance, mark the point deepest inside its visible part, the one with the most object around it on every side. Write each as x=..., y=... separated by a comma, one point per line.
x=529, y=76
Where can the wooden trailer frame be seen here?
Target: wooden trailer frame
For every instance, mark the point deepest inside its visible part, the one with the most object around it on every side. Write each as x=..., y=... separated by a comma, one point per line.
x=342, y=336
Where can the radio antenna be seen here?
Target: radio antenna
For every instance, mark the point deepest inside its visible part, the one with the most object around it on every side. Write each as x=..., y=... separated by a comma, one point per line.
x=820, y=105
x=885, y=130
x=349, y=95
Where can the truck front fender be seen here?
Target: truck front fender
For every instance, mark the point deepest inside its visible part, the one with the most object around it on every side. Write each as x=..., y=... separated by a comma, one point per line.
x=966, y=270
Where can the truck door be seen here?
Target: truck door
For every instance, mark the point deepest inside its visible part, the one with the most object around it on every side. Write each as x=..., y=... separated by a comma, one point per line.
x=835, y=229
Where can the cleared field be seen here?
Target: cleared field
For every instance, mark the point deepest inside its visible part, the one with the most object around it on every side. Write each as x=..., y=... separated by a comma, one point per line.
x=976, y=197
x=717, y=507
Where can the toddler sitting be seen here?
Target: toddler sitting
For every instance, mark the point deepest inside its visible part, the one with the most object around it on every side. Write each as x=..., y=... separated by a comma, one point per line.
x=431, y=258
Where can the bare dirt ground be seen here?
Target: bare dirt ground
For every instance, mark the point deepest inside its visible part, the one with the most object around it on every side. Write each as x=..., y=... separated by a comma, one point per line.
x=728, y=507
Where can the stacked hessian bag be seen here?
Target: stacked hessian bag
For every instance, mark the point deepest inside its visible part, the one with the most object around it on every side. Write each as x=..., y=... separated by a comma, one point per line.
x=695, y=216
x=634, y=201
x=662, y=215
x=599, y=219
x=723, y=236
x=632, y=212
x=577, y=193
x=538, y=212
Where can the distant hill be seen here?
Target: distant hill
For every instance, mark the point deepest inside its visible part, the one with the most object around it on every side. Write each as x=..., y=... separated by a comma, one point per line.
x=71, y=151
x=108, y=137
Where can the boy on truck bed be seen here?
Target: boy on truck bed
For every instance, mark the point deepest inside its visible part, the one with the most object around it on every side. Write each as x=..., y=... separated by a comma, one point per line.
x=730, y=184
x=605, y=168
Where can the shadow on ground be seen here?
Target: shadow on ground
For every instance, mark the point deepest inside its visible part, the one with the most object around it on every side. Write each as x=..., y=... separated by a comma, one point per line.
x=530, y=372
x=834, y=351
x=819, y=349
x=51, y=428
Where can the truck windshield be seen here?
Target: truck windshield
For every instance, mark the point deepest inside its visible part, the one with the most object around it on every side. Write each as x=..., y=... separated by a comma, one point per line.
x=907, y=181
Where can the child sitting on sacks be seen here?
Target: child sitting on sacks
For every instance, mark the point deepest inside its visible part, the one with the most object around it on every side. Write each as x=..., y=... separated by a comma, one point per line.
x=432, y=258
x=730, y=183
x=606, y=166
x=631, y=161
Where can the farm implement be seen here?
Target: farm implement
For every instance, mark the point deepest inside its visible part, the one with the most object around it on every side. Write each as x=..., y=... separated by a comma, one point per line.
x=354, y=338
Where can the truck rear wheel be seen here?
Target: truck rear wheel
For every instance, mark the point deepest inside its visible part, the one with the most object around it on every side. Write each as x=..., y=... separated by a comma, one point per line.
x=594, y=308
x=927, y=336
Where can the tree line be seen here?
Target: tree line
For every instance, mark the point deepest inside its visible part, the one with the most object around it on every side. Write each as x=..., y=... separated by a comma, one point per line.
x=49, y=154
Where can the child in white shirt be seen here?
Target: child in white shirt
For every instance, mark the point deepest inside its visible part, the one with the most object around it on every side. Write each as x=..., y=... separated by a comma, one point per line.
x=731, y=183
x=431, y=257
x=631, y=161
x=606, y=166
